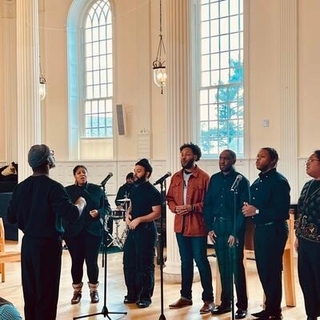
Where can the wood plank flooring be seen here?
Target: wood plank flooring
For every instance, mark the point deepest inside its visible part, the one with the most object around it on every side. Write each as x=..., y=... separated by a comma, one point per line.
x=12, y=290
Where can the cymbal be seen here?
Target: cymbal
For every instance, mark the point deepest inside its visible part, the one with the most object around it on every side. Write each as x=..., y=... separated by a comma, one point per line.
x=123, y=200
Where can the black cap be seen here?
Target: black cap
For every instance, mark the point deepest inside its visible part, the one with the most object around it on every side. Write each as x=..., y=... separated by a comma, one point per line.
x=145, y=163
x=129, y=175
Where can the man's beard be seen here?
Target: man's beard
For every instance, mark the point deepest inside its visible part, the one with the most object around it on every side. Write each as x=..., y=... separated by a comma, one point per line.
x=188, y=165
x=140, y=180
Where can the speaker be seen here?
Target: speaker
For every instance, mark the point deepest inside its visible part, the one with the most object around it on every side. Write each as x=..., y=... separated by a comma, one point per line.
x=121, y=119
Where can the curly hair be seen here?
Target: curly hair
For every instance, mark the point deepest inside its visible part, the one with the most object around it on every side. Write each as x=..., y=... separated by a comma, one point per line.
x=195, y=149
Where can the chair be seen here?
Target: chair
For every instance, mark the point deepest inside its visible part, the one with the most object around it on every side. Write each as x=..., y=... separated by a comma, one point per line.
x=288, y=264
x=6, y=256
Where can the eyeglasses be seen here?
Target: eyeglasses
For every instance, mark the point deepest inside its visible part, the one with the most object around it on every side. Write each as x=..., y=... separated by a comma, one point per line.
x=311, y=160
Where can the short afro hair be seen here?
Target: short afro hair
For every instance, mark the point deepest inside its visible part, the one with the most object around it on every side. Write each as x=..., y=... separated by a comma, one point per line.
x=272, y=153
x=195, y=149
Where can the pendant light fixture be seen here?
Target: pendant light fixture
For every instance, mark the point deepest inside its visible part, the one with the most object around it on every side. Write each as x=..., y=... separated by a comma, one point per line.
x=42, y=84
x=159, y=69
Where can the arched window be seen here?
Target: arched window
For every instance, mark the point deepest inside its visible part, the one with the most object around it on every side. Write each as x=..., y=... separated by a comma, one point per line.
x=90, y=68
x=220, y=95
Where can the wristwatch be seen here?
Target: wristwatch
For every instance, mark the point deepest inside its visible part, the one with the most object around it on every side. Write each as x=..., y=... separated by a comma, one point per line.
x=257, y=211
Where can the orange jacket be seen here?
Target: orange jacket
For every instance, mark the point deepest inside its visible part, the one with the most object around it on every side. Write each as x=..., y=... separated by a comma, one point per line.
x=191, y=224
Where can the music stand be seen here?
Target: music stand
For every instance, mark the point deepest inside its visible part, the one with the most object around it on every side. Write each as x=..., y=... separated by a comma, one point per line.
x=105, y=312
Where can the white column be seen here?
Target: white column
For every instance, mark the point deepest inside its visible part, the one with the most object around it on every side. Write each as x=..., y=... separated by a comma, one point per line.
x=178, y=59
x=28, y=103
x=288, y=93
x=9, y=69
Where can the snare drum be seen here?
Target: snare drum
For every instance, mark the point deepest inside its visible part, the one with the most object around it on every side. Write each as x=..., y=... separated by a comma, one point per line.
x=118, y=214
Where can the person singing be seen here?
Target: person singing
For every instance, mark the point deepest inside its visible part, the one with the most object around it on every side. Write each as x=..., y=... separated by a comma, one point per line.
x=226, y=225
x=307, y=241
x=139, y=248
x=83, y=237
x=269, y=211
x=185, y=199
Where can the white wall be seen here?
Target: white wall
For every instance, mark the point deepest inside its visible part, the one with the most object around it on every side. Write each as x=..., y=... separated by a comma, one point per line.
x=136, y=26
x=308, y=76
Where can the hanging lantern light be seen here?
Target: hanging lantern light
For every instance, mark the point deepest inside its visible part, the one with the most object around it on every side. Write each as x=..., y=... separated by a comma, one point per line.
x=159, y=69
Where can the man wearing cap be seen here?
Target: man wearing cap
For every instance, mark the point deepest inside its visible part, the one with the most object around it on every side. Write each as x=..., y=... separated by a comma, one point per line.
x=38, y=205
x=139, y=248
x=124, y=191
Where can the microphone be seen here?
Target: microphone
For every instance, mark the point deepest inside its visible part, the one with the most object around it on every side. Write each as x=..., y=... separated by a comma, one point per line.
x=168, y=174
x=105, y=180
x=236, y=182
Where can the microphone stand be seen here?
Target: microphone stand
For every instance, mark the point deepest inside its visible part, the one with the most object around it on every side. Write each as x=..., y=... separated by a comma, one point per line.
x=105, y=312
x=233, y=253
x=161, y=260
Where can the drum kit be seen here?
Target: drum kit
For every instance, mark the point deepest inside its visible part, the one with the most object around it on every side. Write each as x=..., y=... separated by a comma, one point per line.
x=117, y=215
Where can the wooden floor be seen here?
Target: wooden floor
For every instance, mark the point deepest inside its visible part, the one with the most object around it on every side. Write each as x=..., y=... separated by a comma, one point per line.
x=11, y=290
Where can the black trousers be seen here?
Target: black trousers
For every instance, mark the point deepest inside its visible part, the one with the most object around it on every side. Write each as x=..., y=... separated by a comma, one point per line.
x=231, y=260
x=138, y=261
x=269, y=243
x=41, y=268
x=84, y=247
x=309, y=275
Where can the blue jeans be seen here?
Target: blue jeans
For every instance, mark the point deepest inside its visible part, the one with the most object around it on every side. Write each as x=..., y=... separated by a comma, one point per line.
x=194, y=248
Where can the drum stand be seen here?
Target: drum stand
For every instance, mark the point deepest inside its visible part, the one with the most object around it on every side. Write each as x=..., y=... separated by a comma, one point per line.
x=116, y=240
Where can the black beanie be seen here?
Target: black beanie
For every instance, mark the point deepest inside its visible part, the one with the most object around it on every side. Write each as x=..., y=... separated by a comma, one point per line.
x=145, y=163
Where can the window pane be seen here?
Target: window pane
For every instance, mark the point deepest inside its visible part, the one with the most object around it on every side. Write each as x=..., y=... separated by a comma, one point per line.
x=221, y=73
x=98, y=71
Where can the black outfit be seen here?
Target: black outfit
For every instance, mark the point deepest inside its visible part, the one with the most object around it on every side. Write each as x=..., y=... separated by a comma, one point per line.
x=84, y=236
x=38, y=205
x=308, y=233
x=219, y=216
x=123, y=192
x=270, y=193
x=139, y=253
